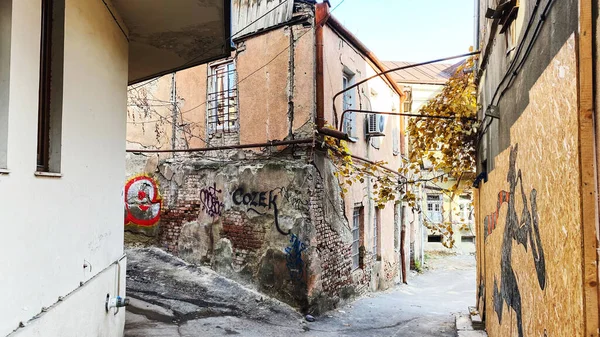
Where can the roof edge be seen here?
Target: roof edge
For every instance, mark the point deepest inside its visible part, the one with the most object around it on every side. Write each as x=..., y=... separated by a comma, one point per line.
x=351, y=38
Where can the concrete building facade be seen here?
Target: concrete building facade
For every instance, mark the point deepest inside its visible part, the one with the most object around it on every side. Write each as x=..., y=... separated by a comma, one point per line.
x=251, y=191
x=64, y=70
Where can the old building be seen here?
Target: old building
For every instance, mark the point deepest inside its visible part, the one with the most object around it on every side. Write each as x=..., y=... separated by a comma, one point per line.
x=64, y=70
x=232, y=155
x=437, y=206
x=536, y=202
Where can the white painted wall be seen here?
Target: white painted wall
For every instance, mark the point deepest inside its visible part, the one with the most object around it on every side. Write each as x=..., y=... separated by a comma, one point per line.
x=51, y=225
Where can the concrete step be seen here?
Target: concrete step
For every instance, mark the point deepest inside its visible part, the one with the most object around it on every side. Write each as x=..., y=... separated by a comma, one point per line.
x=466, y=328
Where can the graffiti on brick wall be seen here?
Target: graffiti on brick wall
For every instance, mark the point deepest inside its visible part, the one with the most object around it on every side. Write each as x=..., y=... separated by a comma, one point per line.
x=142, y=201
x=523, y=230
x=255, y=201
x=209, y=197
x=293, y=255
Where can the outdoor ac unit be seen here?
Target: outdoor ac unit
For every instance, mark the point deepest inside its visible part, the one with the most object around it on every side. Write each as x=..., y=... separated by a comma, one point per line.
x=375, y=125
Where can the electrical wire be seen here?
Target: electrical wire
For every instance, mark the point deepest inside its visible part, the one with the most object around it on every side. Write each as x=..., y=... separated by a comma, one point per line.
x=512, y=71
x=239, y=31
x=273, y=59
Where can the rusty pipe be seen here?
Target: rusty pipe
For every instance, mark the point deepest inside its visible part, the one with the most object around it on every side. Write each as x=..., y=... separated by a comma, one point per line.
x=383, y=73
x=322, y=13
x=231, y=147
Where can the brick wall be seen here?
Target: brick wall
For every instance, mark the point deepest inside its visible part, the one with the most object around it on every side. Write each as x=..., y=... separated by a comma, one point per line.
x=246, y=238
x=173, y=219
x=335, y=255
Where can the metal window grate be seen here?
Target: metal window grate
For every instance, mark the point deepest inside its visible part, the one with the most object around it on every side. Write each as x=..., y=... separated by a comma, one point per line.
x=222, y=108
x=356, y=238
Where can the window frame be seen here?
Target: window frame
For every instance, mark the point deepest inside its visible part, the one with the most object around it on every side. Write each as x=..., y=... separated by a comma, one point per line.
x=349, y=102
x=230, y=94
x=51, y=72
x=355, y=248
x=376, y=233
x=408, y=101
x=435, y=207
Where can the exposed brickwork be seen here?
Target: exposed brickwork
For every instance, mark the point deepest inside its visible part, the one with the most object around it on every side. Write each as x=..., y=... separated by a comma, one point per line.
x=246, y=238
x=173, y=219
x=335, y=255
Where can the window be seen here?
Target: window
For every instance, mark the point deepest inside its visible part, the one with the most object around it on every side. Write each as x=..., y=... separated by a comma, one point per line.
x=5, y=41
x=434, y=238
x=376, y=233
x=222, y=115
x=465, y=208
x=51, y=86
x=408, y=101
x=467, y=239
x=349, y=125
x=434, y=208
x=356, y=224
x=396, y=140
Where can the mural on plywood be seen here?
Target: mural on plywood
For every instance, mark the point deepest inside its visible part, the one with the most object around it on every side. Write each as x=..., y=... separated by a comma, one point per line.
x=525, y=231
x=142, y=201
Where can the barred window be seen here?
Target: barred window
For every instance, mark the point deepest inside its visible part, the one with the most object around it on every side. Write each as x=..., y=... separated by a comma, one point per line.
x=222, y=114
x=356, y=238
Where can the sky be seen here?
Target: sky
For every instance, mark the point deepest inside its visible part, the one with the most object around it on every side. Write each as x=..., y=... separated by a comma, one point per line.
x=409, y=30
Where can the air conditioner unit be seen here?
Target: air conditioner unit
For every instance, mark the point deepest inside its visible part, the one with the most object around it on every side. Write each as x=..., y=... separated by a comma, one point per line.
x=375, y=125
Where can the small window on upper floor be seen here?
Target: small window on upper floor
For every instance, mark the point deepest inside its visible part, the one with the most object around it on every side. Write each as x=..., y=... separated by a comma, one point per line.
x=377, y=233
x=49, y=142
x=408, y=101
x=5, y=45
x=349, y=125
x=222, y=103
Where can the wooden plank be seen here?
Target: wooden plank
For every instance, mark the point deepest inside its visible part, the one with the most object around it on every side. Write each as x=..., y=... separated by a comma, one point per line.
x=588, y=174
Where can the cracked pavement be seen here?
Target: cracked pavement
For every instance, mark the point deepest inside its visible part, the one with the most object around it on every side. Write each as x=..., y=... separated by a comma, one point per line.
x=170, y=298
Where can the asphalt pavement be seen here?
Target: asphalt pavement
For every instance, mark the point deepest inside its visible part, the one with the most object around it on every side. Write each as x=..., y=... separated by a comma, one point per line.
x=170, y=298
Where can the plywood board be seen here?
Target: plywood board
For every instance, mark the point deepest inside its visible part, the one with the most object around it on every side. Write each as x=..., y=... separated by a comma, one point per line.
x=531, y=212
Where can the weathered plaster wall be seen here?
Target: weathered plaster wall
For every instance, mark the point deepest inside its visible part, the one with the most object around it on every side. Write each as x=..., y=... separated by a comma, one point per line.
x=53, y=224
x=529, y=215
x=275, y=102
x=376, y=95
x=277, y=224
x=250, y=221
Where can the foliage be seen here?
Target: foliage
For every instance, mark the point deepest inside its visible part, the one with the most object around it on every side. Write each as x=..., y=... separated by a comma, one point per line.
x=448, y=145
x=418, y=266
x=441, y=150
x=385, y=183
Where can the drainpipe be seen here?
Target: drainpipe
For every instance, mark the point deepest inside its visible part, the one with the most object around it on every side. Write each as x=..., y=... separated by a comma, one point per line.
x=322, y=12
x=174, y=114
x=402, y=244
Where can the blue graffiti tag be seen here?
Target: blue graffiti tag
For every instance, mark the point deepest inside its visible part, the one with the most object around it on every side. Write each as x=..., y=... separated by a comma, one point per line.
x=293, y=253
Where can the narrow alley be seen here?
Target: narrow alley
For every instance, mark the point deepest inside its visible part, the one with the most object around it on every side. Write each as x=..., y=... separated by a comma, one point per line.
x=173, y=298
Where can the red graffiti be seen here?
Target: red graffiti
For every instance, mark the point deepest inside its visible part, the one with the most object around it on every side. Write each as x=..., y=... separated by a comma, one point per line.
x=142, y=201
x=492, y=219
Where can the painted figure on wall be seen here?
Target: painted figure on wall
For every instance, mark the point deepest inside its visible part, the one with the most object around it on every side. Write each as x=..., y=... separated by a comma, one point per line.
x=293, y=255
x=142, y=201
x=523, y=230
